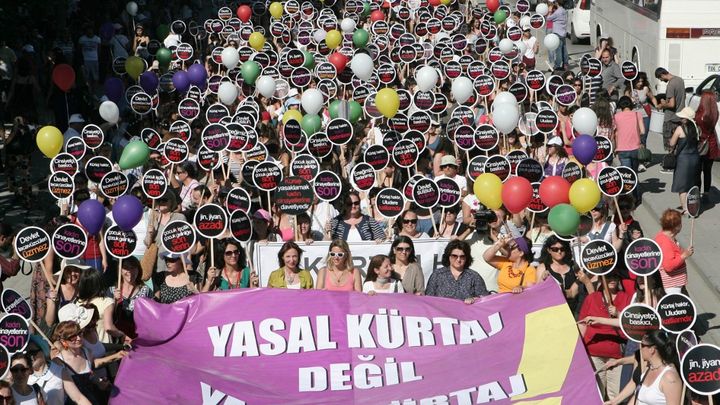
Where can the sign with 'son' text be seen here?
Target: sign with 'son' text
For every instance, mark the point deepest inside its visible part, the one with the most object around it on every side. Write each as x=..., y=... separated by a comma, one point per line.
x=384, y=349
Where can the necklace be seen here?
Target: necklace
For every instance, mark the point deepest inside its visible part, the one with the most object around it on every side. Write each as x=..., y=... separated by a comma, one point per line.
x=337, y=279
x=289, y=277
x=230, y=284
x=651, y=367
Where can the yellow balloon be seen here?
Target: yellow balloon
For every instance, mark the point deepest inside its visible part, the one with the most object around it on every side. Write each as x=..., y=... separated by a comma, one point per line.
x=276, y=9
x=257, y=41
x=387, y=102
x=488, y=190
x=134, y=66
x=50, y=141
x=446, y=2
x=291, y=115
x=584, y=195
x=333, y=39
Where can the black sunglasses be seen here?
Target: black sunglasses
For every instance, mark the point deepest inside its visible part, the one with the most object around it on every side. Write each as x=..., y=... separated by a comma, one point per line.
x=410, y=221
x=19, y=369
x=171, y=259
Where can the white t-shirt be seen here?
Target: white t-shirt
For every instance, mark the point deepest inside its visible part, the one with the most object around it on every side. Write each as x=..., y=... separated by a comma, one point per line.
x=324, y=211
x=460, y=180
x=529, y=47
x=90, y=46
x=51, y=384
x=395, y=287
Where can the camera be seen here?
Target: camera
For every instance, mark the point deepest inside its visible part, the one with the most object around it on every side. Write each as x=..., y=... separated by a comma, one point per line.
x=483, y=216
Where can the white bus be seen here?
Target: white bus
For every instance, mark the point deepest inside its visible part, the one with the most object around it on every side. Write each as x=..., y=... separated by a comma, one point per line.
x=682, y=36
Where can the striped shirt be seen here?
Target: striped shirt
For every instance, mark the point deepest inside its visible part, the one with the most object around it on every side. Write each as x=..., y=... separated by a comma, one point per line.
x=673, y=271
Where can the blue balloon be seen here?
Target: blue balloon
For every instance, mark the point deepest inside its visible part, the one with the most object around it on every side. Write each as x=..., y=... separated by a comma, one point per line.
x=149, y=82
x=181, y=81
x=91, y=215
x=127, y=212
x=197, y=73
x=114, y=89
x=584, y=148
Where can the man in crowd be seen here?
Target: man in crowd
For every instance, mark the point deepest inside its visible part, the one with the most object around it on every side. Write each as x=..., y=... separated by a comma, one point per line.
x=612, y=77
x=559, y=20
x=674, y=102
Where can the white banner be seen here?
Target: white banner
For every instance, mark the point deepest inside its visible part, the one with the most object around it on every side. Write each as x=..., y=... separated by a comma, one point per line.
x=428, y=253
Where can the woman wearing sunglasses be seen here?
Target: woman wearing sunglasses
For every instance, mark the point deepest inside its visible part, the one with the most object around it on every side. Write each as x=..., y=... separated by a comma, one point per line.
x=514, y=269
x=232, y=271
x=175, y=283
x=556, y=260
x=22, y=393
x=353, y=225
x=339, y=274
x=405, y=265
x=408, y=226
x=455, y=279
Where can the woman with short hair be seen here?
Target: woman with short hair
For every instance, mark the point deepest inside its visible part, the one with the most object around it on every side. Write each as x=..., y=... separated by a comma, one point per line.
x=673, y=269
x=514, y=269
x=455, y=279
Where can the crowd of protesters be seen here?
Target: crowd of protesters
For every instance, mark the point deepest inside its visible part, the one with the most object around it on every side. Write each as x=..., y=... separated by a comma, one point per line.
x=89, y=317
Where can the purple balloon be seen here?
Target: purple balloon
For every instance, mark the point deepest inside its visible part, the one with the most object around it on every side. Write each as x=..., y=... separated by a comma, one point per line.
x=197, y=74
x=149, y=82
x=114, y=89
x=127, y=212
x=181, y=81
x=107, y=30
x=91, y=215
x=584, y=148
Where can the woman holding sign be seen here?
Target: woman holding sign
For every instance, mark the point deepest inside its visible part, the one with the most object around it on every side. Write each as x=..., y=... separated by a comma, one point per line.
x=232, y=271
x=339, y=274
x=684, y=143
x=673, y=270
x=289, y=275
x=132, y=288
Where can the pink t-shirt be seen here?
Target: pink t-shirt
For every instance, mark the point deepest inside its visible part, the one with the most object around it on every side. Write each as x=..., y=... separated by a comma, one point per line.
x=628, y=131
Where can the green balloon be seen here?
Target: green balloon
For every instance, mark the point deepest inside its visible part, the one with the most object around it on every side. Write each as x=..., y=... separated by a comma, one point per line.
x=500, y=16
x=311, y=123
x=366, y=9
x=135, y=154
x=564, y=219
x=309, y=59
x=333, y=108
x=360, y=38
x=163, y=56
x=250, y=71
x=162, y=31
x=356, y=111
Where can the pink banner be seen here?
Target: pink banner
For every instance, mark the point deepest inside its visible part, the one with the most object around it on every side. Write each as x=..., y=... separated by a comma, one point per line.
x=278, y=346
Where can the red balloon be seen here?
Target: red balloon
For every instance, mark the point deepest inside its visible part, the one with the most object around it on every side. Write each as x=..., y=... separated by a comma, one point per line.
x=554, y=190
x=244, y=13
x=64, y=77
x=377, y=15
x=493, y=5
x=516, y=194
x=338, y=60
x=434, y=3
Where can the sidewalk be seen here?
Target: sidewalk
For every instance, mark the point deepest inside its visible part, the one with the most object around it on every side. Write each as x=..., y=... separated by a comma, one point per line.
x=704, y=278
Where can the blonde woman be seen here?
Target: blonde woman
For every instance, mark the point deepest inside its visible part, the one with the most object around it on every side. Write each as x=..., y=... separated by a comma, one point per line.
x=339, y=274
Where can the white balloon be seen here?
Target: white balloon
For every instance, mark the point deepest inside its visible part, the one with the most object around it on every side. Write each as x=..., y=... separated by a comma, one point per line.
x=265, y=85
x=227, y=93
x=505, y=97
x=551, y=42
x=131, y=8
x=505, y=45
x=525, y=21
x=506, y=117
x=109, y=112
x=585, y=121
x=312, y=101
x=347, y=25
x=462, y=89
x=426, y=78
x=230, y=57
x=319, y=35
x=362, y=66
x=542, y=9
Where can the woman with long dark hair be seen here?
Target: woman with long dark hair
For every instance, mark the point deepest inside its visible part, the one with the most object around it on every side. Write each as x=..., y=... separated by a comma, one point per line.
x=405, y=265
x=232, y=271
x=353, y=225
x=684, y=142
x=556, y=260
x=131, y=288
x=706, y=118
x=92, y=290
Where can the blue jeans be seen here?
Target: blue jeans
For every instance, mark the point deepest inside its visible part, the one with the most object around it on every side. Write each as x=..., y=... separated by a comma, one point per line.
x=561, y=55
x=94, y=263
x=643, y=137
x=629, y=158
